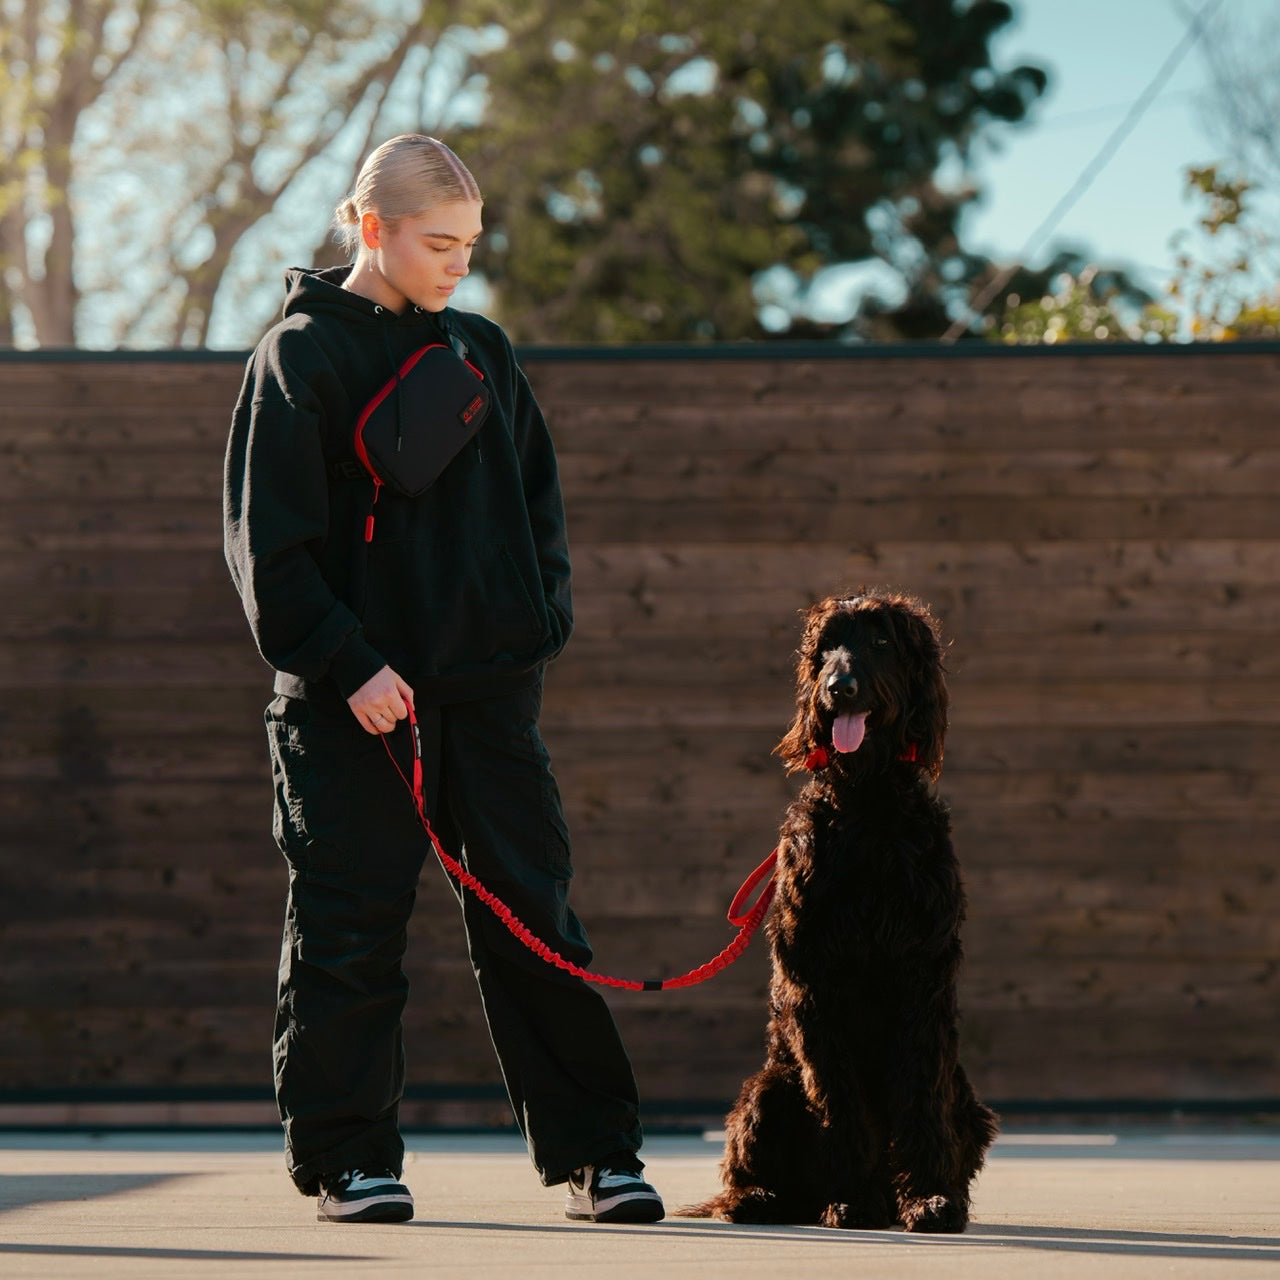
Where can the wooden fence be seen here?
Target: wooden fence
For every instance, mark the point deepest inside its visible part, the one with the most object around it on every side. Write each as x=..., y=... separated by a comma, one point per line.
x=1098, y=530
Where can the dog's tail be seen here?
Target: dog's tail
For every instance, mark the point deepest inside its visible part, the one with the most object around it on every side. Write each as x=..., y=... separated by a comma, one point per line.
x=751, y=1205
x=713, y=1208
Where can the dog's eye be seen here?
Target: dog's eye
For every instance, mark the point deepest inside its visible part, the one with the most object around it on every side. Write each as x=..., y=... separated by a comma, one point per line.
x=880, y=642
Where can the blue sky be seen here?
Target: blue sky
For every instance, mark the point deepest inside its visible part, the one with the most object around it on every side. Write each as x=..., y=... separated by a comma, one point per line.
x=1101, y=55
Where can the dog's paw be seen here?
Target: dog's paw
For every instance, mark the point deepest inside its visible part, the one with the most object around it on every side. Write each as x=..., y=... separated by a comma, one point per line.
x=858, y=1217
x=935, y=1214
x=754, y=1206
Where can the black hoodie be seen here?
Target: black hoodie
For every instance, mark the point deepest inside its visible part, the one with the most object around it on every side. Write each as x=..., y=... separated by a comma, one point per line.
x=465, y=591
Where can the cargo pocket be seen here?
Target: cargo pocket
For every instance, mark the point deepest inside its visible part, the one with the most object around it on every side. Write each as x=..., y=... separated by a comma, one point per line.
x=312, y=813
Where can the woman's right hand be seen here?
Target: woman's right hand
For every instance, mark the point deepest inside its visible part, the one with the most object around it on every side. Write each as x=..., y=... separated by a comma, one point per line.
x=381, y=702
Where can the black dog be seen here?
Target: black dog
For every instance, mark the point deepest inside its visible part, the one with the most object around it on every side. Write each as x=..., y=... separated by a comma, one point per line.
x=862, y=1115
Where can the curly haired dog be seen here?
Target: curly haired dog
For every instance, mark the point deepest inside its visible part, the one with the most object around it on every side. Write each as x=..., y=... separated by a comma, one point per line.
x=862, y=1115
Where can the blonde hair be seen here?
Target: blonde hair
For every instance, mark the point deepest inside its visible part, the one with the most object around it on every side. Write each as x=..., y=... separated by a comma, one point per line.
x=401, y=179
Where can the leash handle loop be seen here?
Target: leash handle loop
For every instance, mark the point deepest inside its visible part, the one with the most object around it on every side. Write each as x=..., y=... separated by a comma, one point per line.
x=765, y=871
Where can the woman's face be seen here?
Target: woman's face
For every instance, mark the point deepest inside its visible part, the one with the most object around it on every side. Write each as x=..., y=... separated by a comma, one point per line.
x=421, y=260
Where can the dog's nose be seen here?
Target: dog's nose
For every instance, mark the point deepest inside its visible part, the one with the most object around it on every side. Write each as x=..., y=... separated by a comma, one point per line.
x=842, y=682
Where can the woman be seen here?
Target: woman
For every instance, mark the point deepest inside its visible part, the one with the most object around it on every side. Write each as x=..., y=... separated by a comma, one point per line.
x=452, y=603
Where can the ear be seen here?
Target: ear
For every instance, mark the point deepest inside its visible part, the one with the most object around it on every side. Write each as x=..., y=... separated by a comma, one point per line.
x=926, y=725
x=800, y=738
x=371, y=231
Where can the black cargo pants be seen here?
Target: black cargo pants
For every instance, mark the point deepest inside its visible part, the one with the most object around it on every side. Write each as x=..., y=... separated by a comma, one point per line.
x=346, y=824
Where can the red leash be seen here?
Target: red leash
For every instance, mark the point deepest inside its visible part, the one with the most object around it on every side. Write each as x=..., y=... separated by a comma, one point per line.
x=748, y=921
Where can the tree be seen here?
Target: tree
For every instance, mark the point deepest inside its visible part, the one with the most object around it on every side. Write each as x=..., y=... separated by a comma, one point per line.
x=1229, y=280
x=1220, y=285
x=654, y=173
x=1074, y=301
x=149, y=139
x=55, y=61
x=1240, y=107
x=1213, y=295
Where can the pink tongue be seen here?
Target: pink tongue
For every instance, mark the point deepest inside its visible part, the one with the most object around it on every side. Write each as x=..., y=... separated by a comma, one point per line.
x=848, y=730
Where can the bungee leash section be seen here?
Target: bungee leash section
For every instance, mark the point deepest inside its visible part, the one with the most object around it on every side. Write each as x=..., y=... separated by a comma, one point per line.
x=747, y=919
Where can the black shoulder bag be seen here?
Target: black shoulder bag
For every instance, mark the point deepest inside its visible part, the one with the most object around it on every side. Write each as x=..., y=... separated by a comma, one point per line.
x=412, y=429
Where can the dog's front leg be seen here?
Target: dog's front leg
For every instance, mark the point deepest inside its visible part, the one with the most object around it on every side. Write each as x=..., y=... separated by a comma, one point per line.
x=850, y=1170
x=934, y=1153
x=859, y=1185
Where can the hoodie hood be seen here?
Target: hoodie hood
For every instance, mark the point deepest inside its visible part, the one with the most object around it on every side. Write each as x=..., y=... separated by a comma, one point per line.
x=312, y=292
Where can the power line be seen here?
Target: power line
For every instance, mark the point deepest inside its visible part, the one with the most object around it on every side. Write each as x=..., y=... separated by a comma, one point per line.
x=1195, y=29
x=1088, y=115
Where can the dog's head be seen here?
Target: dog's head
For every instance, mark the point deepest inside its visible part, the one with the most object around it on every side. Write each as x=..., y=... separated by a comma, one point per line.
x=870, y=685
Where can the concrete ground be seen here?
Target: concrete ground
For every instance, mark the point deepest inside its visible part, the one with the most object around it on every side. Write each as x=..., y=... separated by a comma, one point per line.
x=1123, y=1204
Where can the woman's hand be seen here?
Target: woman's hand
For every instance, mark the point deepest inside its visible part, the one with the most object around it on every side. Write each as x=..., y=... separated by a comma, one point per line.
x=381, y=702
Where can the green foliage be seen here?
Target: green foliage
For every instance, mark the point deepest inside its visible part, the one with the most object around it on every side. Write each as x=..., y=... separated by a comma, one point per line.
x=1259, y=319
x=1219, y=289
x=643, y=165
x=1090, y=306
x=651, y=168
x=1213, y=295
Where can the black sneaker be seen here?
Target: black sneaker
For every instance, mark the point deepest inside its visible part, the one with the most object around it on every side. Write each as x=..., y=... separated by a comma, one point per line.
x=365, y=1195
x=612, y=1192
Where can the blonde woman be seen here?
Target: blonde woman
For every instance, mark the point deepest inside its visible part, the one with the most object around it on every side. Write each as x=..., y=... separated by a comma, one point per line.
x=451, y=602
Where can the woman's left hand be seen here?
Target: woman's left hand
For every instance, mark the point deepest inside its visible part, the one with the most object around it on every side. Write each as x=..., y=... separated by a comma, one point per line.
x=381, y=702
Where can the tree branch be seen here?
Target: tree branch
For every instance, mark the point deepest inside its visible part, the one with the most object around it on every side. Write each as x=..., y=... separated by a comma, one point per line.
x=146, y=10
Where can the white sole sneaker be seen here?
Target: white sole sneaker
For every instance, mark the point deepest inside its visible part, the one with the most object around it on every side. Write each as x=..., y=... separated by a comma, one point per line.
x=362, y=1197
x=609, y=1195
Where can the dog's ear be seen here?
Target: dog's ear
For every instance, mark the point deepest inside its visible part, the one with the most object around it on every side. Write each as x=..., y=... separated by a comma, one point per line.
x=927, y=705
x=802, y=734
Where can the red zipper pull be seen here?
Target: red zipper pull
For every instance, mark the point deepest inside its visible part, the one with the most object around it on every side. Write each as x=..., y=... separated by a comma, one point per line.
x=368, y=524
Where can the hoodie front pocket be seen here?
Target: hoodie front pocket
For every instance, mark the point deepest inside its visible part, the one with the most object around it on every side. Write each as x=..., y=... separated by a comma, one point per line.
x=459, y=603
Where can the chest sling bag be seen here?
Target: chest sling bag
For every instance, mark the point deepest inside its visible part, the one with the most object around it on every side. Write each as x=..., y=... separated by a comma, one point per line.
x=414, y=426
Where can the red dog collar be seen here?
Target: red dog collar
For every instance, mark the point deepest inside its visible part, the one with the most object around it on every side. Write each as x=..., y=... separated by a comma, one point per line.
x=820, y=757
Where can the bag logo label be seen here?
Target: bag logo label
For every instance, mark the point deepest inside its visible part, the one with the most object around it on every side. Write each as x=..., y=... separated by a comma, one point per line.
x=471, y=410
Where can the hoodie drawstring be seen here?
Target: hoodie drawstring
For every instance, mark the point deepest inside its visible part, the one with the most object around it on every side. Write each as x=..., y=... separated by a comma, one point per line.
x=360, y=571
x=460, y=349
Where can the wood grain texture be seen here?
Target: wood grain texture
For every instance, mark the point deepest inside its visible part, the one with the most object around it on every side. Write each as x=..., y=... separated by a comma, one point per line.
x=1099, y=535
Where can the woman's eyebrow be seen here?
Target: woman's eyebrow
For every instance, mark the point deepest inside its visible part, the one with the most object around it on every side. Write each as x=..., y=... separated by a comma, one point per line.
x=444, y=235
